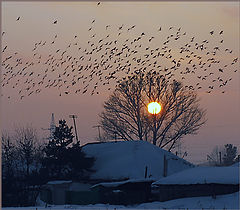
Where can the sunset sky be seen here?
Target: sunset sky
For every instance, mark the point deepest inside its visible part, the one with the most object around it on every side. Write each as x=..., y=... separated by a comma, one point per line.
x=74, y=20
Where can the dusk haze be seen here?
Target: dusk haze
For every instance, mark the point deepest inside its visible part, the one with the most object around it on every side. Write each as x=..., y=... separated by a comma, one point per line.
x=120, y=105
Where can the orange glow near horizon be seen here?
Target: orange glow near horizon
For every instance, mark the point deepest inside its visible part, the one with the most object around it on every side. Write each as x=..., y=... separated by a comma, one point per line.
x=154, y=108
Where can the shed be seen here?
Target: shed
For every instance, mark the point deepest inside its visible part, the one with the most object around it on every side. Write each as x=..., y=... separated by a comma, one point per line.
x=68, y=192
x=127, y=192
x=54, y=192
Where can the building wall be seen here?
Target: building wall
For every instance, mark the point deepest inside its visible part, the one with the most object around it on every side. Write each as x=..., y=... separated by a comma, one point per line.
x=169, y=192
x=76, y=186
x=59, y=194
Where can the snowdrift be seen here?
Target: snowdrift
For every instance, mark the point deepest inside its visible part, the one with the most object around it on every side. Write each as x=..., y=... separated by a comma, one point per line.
x=128, y=160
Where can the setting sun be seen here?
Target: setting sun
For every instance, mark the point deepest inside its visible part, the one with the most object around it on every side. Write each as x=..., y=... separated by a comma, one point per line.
x=154, y=107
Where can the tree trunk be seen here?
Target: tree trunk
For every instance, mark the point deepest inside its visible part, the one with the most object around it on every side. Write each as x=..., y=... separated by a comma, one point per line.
x=154, y=130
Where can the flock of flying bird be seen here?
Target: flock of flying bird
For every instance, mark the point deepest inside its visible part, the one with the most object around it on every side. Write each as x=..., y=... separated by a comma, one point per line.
x=105, y=61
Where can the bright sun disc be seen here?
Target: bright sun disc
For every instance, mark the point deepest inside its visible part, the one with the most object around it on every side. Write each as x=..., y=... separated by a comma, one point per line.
x=154, y=107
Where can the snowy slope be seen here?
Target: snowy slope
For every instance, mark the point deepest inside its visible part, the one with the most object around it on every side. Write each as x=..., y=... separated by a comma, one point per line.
x=203, y=175
x=128, y=159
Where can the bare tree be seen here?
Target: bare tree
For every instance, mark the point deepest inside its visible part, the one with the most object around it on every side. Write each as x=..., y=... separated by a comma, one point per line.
x=26, y=141
x=223, y=155
x=18, y=157
x=215, y=157
x=8, y=155
x=125, y=112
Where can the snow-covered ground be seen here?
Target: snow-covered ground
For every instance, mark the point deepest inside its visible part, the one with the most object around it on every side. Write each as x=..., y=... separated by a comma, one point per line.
x=128, y=160
x=235, y=165
x=230, y=201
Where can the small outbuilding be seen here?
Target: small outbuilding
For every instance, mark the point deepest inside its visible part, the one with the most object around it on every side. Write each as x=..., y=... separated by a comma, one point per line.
x=127, y=192
x=198, y=181
x=54, y=192
x=68, y=192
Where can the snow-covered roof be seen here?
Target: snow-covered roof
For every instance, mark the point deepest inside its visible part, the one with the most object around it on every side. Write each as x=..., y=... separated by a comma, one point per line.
x=59, y=182
x=203, y=175
x=128, y=160
x=116, y=184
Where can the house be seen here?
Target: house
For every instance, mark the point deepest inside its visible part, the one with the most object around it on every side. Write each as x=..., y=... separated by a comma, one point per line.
x=133, y=165
x=198, y=181
x=123, y=160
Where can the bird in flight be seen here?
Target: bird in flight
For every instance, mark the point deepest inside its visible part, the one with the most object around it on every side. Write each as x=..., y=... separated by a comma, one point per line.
x=114, y=59
x=18, y=18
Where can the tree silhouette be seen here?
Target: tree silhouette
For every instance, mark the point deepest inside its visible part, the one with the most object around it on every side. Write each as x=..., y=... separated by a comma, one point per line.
x=80, y=166
x=65, y=160
x=229, y=155
x=125, y=112
x=26, y=140
x=55, y=161
x=8, y=156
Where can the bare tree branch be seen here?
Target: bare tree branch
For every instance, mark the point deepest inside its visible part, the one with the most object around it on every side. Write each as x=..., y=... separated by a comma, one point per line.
x=125, y=112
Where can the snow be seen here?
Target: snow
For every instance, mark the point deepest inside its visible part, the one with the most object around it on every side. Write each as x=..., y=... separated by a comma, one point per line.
x=235, y=165
x=230, y=201
x=203, y=175
x=115, y=184
x=128, y=159
x=59, y=182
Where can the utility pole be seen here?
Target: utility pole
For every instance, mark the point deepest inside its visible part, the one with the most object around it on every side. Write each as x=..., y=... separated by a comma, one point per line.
x=74, y=117
x=52, y=127
x=99, y=134
x=146, y=169
x=220, y=158
x=165, y=166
